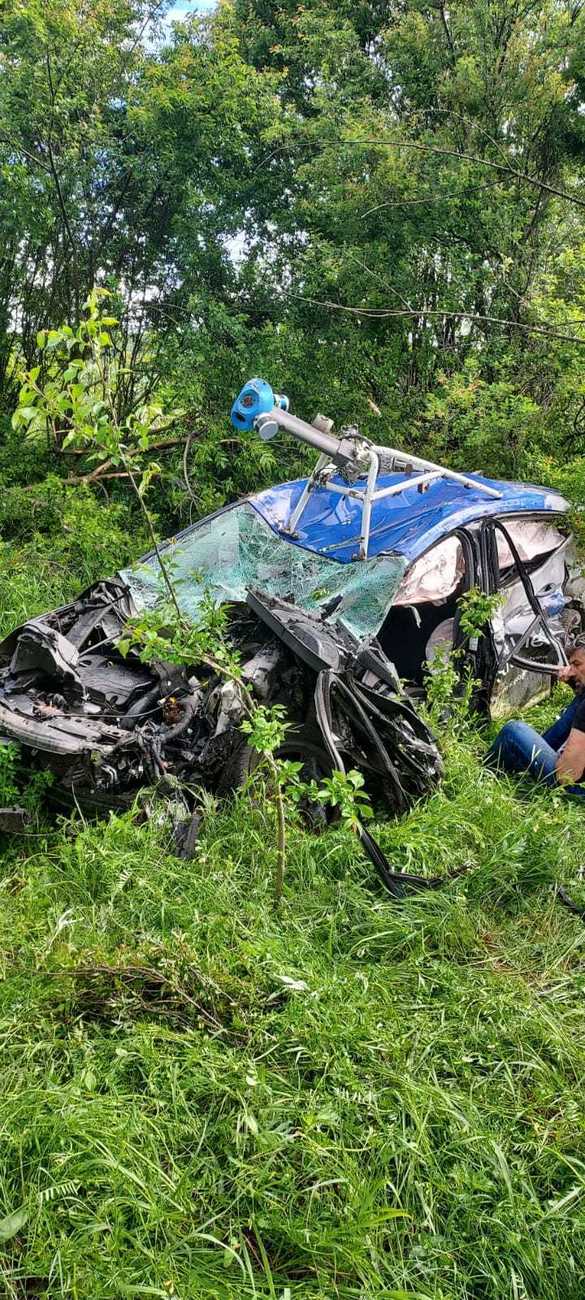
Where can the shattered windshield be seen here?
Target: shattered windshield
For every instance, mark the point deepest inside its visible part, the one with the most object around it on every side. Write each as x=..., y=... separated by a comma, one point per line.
x=236, y=550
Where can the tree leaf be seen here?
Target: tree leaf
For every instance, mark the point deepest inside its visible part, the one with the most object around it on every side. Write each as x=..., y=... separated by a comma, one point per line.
x=12, y=1224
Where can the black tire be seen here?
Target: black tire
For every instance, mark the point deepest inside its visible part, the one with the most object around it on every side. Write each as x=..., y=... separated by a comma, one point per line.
x=245, y=760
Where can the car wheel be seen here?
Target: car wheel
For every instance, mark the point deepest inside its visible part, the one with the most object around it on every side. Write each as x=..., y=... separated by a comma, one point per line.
x=245, y=760
x=316, y=764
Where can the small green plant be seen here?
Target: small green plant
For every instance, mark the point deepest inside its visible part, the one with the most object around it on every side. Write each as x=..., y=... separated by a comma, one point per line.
x=8, y=775
x=449, y=689
x=345, y=792
x=449, y=683
x=266, y=728
x=476, y=610
x=441, y=682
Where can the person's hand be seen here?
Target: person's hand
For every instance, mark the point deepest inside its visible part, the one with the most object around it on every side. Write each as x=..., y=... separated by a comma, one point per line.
x=566, y=673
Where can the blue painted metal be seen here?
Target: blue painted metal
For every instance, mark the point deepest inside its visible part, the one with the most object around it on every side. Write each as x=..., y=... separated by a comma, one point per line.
x=406, y=524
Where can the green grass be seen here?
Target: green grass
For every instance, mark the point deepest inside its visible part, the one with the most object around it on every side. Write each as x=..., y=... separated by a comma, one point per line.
x=353, y=1099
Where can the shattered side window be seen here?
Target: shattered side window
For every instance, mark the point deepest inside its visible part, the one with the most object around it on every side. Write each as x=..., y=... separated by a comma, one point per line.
x=236, y=550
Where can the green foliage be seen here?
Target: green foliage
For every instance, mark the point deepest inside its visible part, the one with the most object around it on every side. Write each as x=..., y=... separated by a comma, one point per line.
x=492, y=425
x=71, y=397
x=266, y=729
x=345, y=1100
x=160, y=636
x=449, y=681
x=449, y=690
x=386, y=1097
x=383, y=159
x=344, y=791
x=67, y=541
x=8, y=775
x=442, y=684
x=476, y=610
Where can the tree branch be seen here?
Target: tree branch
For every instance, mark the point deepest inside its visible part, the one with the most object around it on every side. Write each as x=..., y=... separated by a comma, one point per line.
x=101, y=470
x=469, y=157
x=383, y=313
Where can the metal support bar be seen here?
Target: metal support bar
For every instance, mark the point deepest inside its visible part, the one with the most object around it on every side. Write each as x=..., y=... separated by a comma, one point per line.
x=364, y=458
x=309, y=487
x=347, y=490
x=419, y=463
x=415, y=481
x=367, y=503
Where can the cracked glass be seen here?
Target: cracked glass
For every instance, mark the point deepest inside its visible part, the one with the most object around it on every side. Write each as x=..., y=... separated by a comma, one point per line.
x=236, y=550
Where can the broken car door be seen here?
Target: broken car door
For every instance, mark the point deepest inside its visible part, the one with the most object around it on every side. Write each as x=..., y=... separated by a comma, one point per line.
x=528, y=562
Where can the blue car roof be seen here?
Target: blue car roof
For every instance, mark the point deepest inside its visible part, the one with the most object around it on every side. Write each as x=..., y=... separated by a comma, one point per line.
x=405, y=524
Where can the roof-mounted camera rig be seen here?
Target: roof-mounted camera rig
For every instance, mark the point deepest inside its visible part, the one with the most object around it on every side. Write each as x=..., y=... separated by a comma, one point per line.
x=348, y=457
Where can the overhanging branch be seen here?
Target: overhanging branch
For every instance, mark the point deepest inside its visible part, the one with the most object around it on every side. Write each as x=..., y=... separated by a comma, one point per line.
x=385, y=313
x=469, y=157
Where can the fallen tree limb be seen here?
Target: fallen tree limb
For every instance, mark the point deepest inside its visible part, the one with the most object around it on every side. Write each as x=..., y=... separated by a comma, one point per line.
x=101, y=471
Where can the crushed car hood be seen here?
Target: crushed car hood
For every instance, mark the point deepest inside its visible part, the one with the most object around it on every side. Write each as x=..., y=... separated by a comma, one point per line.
x=59, y=690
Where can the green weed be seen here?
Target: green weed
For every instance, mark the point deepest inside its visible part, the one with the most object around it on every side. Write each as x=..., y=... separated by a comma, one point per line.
x=351, y=1099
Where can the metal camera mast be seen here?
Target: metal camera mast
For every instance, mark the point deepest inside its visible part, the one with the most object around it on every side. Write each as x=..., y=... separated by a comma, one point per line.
x=349, y=456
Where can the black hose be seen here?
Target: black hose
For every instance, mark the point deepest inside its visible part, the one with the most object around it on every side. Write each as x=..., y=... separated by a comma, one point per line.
x=190, y=704
x=567, y=902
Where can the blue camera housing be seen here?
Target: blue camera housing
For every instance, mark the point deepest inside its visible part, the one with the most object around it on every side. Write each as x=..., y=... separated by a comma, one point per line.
x=256, y=398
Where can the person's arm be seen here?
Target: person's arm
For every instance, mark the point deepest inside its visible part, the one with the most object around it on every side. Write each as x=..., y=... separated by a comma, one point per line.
x=570, y=764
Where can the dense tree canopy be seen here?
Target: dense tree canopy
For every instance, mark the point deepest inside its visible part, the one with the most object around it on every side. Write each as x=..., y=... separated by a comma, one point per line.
x=373, y=203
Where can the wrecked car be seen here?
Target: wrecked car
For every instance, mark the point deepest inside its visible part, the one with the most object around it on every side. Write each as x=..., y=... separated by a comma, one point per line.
x=341, y=589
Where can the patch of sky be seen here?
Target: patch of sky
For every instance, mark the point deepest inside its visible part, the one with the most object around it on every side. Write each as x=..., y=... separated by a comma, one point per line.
x=183, y=8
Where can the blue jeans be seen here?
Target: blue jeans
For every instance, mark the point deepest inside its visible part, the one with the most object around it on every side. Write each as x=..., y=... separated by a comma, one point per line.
x=519, y=748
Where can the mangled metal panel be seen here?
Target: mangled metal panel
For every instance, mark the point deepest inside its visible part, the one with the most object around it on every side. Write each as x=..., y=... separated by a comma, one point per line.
x=513, y=619
x=516, y=688
x=236, y=550
x=521, y=638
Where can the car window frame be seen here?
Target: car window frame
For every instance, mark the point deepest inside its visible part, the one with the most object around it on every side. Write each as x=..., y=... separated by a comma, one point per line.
x=494, y=584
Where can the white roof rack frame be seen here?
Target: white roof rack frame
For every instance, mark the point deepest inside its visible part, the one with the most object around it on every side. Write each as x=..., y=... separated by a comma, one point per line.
x=362, y=458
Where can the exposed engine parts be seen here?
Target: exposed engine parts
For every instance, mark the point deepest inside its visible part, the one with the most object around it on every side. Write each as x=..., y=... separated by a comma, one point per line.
x=107, y=724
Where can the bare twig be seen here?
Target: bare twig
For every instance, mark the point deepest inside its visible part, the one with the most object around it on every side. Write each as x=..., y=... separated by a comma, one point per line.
x=280, y=834
x=102, y=470
x=52, y=165
x=186, y=478
x=153, y=537
x=426, y=199
x=19, y=148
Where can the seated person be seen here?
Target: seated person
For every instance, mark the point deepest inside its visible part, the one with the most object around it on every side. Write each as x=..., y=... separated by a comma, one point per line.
x=557, y=757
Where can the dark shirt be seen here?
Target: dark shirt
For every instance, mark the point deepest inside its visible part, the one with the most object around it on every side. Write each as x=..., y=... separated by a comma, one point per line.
x=579, y=716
